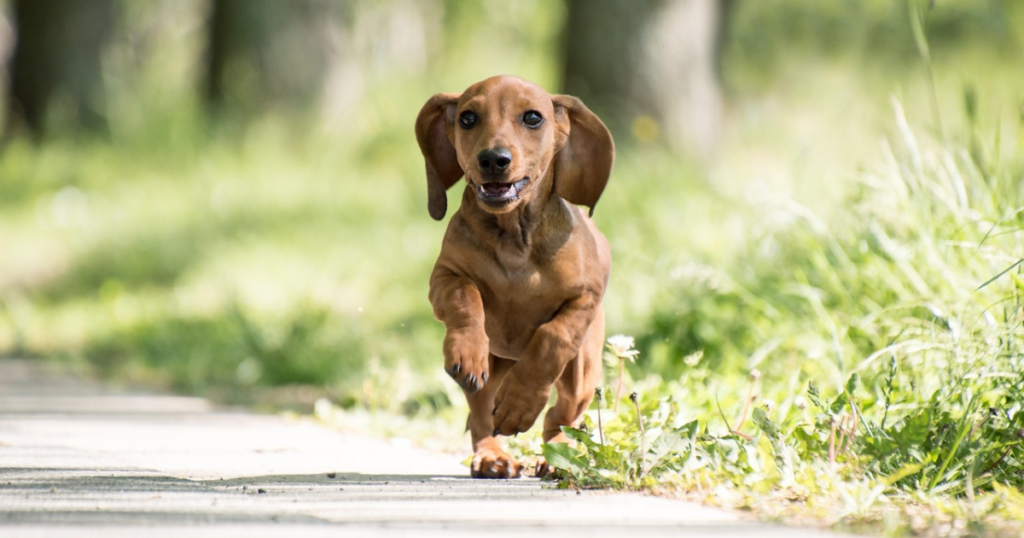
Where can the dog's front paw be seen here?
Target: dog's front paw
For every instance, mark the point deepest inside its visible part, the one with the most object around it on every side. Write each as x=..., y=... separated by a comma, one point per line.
x=465, y=357
x=491, y=461
x=518, y=404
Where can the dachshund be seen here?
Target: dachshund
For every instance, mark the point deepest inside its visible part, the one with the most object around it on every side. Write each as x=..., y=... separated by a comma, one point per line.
x=522, y=270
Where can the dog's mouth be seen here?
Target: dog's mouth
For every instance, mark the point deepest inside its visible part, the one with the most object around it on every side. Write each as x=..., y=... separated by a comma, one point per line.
x=498, y=192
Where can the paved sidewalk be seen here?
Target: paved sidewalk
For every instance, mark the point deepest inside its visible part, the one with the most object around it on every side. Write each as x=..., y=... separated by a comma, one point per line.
x=79, y=459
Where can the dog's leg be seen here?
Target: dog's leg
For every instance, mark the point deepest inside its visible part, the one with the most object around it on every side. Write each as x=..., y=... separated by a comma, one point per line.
x=457, y=303
x=575, y=389
x=527, y=388
x=490, y=460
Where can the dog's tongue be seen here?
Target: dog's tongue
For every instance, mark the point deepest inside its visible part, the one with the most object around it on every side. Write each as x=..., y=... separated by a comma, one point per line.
x=497, y=189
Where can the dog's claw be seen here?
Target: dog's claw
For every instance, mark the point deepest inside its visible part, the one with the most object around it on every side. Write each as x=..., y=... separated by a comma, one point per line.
x=484, y=377
x=469, y=383
x=543, y=469
x=456, y=368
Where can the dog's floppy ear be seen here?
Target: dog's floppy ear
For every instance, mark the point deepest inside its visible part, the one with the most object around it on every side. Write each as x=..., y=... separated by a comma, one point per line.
x=435, y=121
x=584, y=162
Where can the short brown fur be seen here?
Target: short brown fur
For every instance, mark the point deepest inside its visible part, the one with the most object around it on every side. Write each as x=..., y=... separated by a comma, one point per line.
x=519, y=282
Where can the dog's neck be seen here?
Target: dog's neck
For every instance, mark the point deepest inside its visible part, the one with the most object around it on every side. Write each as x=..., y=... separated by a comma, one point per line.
x=544, y=216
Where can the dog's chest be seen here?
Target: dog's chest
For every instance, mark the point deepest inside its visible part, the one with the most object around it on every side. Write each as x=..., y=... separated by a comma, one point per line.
x=517, y=304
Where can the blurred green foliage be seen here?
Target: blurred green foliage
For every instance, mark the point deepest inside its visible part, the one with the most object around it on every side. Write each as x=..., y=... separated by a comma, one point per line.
x=225, y=256
x=871, y=32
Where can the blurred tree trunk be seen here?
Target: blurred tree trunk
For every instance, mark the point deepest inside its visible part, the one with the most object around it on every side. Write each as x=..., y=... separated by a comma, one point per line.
x=648, y=67
x=57, y=57
x=268, y=52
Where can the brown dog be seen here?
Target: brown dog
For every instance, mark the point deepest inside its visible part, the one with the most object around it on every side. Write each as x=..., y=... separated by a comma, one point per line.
x=522, y=270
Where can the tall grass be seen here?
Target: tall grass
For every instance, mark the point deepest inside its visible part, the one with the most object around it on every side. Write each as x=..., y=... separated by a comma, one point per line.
x=861, y=361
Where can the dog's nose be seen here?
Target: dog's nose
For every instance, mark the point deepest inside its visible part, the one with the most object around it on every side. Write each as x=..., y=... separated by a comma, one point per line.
x=494, y=160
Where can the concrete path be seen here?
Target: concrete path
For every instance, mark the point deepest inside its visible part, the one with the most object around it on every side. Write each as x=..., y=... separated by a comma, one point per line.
x=79, y=459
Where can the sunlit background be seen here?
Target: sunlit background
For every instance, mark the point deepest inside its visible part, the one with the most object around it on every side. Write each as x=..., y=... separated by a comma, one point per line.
x=225, y=197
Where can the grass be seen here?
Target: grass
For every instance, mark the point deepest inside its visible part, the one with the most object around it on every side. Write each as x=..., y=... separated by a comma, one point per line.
x=866, y=371
x=828, y=317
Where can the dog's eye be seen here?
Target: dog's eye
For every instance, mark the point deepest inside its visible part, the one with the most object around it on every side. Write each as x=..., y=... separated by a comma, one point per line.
x=467, y=120
x=533, y=119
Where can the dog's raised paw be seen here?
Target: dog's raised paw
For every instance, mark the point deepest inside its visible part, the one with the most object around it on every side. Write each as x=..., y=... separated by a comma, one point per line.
x=465, y=358
x=517, y=404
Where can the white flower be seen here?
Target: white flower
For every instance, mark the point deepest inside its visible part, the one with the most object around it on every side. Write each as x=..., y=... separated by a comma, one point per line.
x=620, y=343
x=692, y=359
x=800, y=402
x=621, y=346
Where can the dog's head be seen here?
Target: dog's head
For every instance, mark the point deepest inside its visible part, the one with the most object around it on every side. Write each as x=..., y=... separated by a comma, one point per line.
x=505, y=134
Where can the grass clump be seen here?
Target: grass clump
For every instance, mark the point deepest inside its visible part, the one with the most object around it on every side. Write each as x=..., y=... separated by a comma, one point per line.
x=880, y=349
